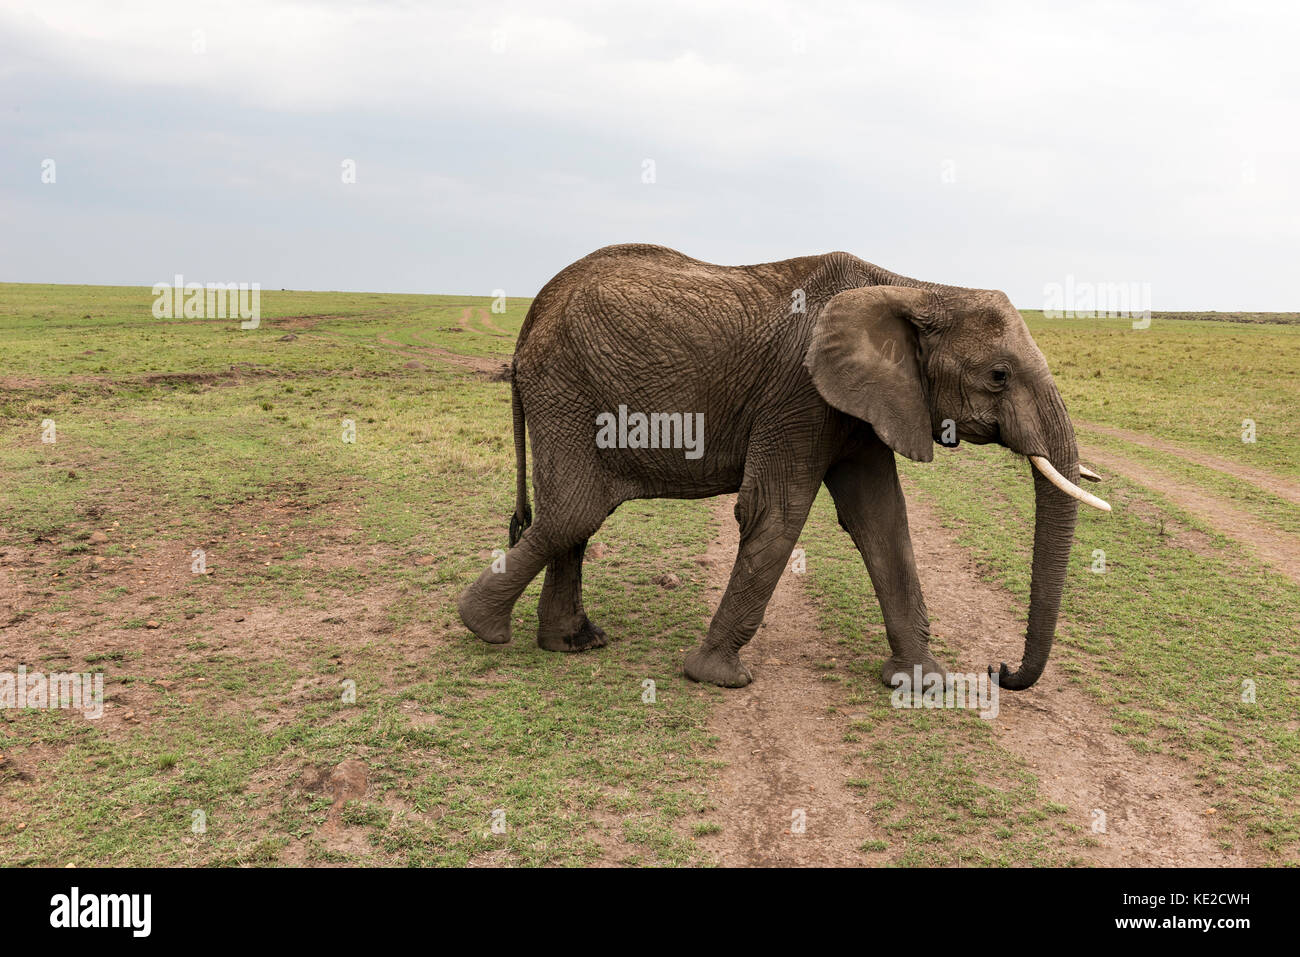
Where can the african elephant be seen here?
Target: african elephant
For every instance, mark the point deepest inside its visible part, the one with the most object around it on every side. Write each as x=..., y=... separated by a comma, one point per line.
x=805, y=371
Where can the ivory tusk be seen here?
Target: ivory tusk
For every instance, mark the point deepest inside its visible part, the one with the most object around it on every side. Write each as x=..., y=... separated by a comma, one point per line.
x=1089, y=474
x=1065, y=485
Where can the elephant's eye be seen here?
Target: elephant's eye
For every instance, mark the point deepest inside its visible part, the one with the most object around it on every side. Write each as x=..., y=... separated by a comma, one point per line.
x=999, y=377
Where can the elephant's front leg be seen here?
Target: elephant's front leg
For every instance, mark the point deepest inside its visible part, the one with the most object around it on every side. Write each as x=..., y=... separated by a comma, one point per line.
x=872, y=510
x=771, y=515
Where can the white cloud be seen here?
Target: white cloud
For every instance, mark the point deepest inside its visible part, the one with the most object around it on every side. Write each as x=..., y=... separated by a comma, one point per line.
x=1123, y=138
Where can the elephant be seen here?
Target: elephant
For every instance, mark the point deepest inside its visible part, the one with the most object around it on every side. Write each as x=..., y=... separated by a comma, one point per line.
x=806, y=371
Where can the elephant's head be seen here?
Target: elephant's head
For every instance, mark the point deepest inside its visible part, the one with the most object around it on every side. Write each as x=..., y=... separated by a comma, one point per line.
x=944, y=364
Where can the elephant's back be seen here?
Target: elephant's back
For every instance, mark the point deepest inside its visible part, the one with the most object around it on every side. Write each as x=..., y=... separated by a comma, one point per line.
x=651, y=297
x=609, y=270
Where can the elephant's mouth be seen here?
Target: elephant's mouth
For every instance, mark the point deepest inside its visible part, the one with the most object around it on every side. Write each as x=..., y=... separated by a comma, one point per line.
x=974, y=433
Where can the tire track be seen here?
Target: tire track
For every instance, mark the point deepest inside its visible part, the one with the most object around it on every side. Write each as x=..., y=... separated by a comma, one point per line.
x=495, y=369
x=1276, y=547
x=782, y=746
x=1155, y=811
x=1266, y=481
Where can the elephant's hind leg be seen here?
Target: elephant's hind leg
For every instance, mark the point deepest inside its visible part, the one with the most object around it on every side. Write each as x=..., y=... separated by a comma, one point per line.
x=558, y=536
x=485, y=605
x=563, y=624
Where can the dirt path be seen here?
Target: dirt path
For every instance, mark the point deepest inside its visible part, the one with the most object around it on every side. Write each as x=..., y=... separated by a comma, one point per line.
x=485, y=324
x=783, y=750
x=489, y=367
x=1276, y=547
x=1154, y=810
x=1267, y=481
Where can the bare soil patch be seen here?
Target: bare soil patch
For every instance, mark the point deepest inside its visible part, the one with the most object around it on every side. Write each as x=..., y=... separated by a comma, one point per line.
x=301, y=322
x=485, y=325
x=494, y=370
x=119, y=610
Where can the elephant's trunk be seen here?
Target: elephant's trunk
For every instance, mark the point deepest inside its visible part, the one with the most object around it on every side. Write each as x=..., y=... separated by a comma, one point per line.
x=1054, y=517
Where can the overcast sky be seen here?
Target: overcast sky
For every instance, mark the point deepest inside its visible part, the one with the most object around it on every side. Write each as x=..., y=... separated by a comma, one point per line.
x=1004, y=145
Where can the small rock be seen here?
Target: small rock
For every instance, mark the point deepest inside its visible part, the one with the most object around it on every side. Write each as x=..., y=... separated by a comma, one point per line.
x=98, y=538
x=287, y=338
x=152, y=624
x=668, y=582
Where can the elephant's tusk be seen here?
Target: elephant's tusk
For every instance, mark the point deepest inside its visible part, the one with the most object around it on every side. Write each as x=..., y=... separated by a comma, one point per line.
x=1089, y=474
x=1065, y=485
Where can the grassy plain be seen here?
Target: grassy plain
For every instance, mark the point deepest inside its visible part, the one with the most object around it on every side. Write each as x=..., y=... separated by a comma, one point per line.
x=334, y=564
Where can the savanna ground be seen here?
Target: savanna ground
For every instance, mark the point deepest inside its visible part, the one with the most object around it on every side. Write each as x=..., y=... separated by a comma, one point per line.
x=333, y=567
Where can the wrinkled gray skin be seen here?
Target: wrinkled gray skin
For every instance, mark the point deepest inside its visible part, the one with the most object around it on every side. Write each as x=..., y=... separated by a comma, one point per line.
x=873, y=365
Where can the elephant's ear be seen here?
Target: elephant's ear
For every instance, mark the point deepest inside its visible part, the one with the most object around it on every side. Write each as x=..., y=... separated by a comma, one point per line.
x=865, y=360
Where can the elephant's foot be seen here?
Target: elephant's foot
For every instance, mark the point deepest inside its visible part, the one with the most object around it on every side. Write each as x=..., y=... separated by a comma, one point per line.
x=717, y=668
x=583, y=637
x=896, y=669
x=490, y=624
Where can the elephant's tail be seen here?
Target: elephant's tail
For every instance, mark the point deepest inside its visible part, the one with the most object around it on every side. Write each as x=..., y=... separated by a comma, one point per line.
x=523, y=516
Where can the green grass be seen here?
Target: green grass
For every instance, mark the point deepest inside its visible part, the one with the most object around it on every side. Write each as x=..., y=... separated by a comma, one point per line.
x=1164, y=639
x=1190, y=382
x=246, y=460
